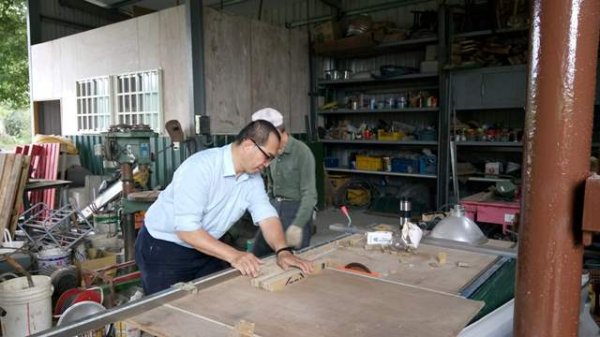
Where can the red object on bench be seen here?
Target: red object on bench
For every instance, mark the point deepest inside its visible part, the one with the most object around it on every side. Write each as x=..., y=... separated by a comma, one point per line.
x=481, y=208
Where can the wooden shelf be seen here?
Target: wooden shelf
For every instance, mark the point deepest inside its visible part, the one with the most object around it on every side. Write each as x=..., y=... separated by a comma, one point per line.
x=372, y=111
x=381, y=142
x=381, y=173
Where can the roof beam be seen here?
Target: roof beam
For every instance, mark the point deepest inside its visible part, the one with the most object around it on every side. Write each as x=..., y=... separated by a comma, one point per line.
x=337, y=4
x=109, y=14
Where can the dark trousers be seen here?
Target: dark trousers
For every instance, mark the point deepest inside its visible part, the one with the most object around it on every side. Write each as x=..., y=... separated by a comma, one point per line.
x=163, y=263
x=287, y=210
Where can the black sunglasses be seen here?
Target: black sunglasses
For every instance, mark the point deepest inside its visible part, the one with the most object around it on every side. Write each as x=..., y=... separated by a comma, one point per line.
x=269, y=157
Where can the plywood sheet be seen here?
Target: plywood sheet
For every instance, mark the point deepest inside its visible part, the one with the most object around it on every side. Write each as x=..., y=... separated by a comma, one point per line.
x=227, y=71
x=271, y=68
x=299, y=81
x=328, y=304
x=419, y=268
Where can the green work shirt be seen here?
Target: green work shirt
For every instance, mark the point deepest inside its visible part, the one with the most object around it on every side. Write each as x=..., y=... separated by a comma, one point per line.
x=292, y=176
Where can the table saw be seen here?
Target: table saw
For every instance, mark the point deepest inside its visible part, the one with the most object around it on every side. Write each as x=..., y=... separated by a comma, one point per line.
x=431, y=291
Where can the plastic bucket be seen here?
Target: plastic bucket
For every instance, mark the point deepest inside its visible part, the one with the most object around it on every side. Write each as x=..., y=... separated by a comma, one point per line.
x=106, y=223
x=27, y=310
x=50, y=259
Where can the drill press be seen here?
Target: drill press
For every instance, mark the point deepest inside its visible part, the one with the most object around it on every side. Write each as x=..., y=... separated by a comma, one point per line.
x=129, y=146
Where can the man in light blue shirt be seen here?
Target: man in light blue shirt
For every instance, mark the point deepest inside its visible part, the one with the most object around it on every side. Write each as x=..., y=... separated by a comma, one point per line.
x=210, y=191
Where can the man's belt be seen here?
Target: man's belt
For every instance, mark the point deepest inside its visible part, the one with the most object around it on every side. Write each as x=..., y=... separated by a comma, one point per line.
x=280, y=199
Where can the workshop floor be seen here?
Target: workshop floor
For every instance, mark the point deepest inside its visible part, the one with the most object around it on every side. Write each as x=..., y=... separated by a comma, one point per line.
x=332, y=215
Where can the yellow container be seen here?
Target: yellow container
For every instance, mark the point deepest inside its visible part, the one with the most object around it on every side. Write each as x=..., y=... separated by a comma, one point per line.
x=369, y=163
x=383, y=135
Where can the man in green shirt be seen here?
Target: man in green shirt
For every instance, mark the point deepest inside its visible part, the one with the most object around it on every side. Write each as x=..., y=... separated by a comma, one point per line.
x=290, y=185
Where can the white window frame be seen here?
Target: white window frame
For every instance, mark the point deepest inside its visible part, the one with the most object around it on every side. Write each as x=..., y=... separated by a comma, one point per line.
x=138, y=98
x=94, y=105
x=120, y=104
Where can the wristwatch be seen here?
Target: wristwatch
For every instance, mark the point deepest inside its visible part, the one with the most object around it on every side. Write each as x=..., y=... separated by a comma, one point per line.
x=289, y=249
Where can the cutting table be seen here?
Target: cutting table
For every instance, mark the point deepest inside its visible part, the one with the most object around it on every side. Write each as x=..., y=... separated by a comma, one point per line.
x=408, y=293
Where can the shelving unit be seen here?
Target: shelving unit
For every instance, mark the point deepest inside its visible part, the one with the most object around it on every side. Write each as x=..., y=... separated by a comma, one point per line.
x=478, y=99
x=428, y=120
x=489, y=93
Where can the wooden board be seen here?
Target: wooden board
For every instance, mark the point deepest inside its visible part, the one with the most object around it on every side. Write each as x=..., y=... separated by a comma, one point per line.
x=270, y=68
x=13, y=171
x=330, y=304
x=17, y=208
x=228, y=71
x=419, y=268
x=299, y=81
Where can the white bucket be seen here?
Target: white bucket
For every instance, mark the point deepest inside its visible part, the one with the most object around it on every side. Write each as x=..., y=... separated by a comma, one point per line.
x=50, y=259
x=28, y=310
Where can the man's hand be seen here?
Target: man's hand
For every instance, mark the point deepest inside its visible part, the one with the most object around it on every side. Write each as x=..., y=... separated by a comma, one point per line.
x=246, y=263
x=286, y=260
x=293, y=236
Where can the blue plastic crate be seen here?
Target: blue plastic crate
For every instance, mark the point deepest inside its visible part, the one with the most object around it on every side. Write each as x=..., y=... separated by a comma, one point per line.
x=428, y=164
x=331, y=162
x=405, y=165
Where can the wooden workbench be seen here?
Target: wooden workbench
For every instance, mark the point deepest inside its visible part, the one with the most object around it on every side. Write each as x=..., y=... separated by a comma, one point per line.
x=413, y=295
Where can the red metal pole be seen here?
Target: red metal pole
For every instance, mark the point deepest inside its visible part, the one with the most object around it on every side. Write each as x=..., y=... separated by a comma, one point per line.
x=562, y=77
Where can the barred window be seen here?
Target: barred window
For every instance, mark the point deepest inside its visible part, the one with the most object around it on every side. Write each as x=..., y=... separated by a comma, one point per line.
x=138, y=98
x=93, y=104
x=130, y=98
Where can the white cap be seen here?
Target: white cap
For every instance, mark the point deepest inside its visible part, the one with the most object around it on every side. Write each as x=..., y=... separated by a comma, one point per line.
x=270, y=115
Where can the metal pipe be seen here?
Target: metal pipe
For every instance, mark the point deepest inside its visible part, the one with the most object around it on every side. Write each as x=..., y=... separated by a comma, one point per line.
x=127, y=220
x=558, y=125
x=135, y=308
x=223, y=4
x=367, y=9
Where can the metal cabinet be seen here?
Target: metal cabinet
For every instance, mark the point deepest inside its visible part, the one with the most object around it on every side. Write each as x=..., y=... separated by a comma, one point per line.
x=488, y=88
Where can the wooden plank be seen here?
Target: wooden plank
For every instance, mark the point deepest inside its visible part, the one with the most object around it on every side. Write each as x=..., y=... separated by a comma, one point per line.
x=278, y=281
x=17, y=209
x=11, y=192
x=330, y=304
x=5, y=186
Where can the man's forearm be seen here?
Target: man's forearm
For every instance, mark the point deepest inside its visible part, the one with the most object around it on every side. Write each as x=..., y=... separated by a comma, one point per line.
x=273, y=233
x=205, y=243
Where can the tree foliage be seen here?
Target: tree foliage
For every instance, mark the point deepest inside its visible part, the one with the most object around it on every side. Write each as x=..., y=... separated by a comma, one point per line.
x=14, y=65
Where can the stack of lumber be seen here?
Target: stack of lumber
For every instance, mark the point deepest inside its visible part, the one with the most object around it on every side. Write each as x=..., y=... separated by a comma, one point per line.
x=14, y=170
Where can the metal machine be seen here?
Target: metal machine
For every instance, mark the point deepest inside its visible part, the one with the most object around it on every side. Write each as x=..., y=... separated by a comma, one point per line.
x=129, y=146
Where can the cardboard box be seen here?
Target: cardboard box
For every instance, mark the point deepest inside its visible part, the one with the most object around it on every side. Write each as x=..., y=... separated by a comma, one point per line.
x=357, y=44
x=326, y=31
x=98, y=259
x=493, y=169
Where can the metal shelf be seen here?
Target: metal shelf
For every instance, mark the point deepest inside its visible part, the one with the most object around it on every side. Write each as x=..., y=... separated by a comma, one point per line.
x=490, y=144
x=372, y=111
x=382, y=173
x=373, y=80
x=381, y=142
x=488, y=179
x=489, y=32
x=404, y=44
